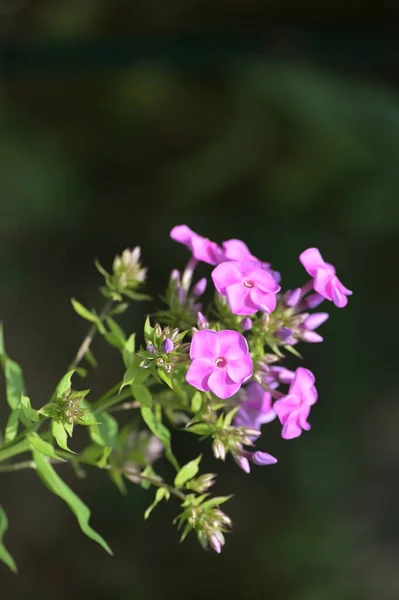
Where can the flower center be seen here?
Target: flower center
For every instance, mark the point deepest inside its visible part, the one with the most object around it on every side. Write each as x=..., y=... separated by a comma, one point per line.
x=221, y=362
x=248, y=283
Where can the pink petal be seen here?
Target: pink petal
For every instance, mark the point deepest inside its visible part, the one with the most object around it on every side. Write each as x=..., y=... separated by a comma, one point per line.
x=286, y=406
x=291, y=430
x=205, y=250
x=205, y=344
x=264, y=301
x=199, y=372
x=322, y=283
x=182, y=234
x=240, y=370
x=232, y=344
x=264, y=280
x=311, y=260
x=237, y=250
x=221, y=385
x=225, y=274
x=239, y=299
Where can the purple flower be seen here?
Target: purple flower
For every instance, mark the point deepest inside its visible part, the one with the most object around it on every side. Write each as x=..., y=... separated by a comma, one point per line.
x=294, y=408
x=220, y=362
x=326, y=283
x=238, y=250
x=310, y=323
x=256, y=409
x=201, y=248
x=247, y=287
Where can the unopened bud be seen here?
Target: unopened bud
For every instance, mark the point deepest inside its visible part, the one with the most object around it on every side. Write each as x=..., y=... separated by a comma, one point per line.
x=202, y=321
x=219, y=450
x=167, y=346
x=246, y=324
x=215, y=543
x=151, y=349
x=199, y=288
x=292, y=297
x=242, y=462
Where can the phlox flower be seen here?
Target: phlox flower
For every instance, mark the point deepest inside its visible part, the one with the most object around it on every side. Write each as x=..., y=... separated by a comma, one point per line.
x=325, y=283
x=294, y=408
x=247, y=286
x=256, y=407
x=220, y=362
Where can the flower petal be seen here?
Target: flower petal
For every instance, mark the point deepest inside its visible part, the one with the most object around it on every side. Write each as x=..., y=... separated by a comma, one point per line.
x=205, y=344
x=225, y=274
x=221, y=385
x=239, y=370
x=264, y=301
x=232, y=344
x=291, y=430
x=182, y=234
x=199, y=372
x=286, y=406
x=237, y=250
x=239, y=299
x=311, y=260
x=264, y=280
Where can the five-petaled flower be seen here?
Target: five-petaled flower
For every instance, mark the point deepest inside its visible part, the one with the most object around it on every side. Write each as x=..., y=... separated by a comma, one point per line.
x=294, y=408
x=256, y=408
x=326, y=283
x=247, y=286
x=220, y=362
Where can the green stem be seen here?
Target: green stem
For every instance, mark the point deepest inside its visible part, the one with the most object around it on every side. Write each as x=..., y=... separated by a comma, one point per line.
x=85, y=345
x=13, y=450
x=26, y=464
x=157, y=483
x=106, y=402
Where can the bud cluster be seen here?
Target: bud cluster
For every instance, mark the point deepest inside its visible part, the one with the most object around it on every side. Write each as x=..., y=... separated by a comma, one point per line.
x=207, y=520
x=164, y=348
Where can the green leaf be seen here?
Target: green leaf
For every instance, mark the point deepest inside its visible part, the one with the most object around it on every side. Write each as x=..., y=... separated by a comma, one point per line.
x=230, y=415
x=196, y=402
x=102, y=463
x=54, y=482
x=159, y=496
x=88, y=315
x=117, y=334
x=37, y=443
x=142, y=394
x=134, y=374
x=60, y=435
x=30, y=413
x=200, y=429
x=148, y=330
x=87, y=418
x=12, y=426
x=161, y=432
x=128, y=351
x=48, y=410
x=216, y=501
x=5, y=556
x=64, y=385
x=13, y=375
x=166, y=378
x=187, y=472
x=105, y=431
x=117, y=478
x=91, y=359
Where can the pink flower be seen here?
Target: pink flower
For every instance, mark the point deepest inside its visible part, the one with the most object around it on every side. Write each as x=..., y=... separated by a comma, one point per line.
x=201, y=248
x=239, y=251
x=247, y=287
x=220, y=362
x=326, y=283
x=294, y=408
x=256, y=407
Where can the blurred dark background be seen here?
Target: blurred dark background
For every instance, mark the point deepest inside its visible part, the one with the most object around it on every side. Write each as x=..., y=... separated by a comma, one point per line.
x=119, y=120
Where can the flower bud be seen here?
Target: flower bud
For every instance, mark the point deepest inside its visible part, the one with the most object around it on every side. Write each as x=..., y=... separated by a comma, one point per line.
x=199, y=288
x=242, y=462
x=215, y=543
x=246, y=324
x=311, y=337
x=202, y=322
x=219, y=450
x=312, y=301
x=167, y=346
x=292, y=297
x=263, y=458
x=151, y=349
x=285, y=334
x=314, y=321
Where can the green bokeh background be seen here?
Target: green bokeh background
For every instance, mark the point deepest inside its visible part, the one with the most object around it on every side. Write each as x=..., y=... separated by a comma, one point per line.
x=119, y=120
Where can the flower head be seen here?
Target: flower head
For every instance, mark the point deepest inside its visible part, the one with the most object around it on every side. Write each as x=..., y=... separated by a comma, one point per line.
x=256, y=407
x=326, y=283
x=294, y=408
x=247, y=286
x=220, y=362
x=201, y=248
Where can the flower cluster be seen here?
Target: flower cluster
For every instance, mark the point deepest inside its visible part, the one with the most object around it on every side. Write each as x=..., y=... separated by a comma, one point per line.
x=212, y=370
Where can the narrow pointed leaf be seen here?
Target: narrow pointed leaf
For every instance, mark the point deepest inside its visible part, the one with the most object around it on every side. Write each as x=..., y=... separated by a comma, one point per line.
x=5, y=556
